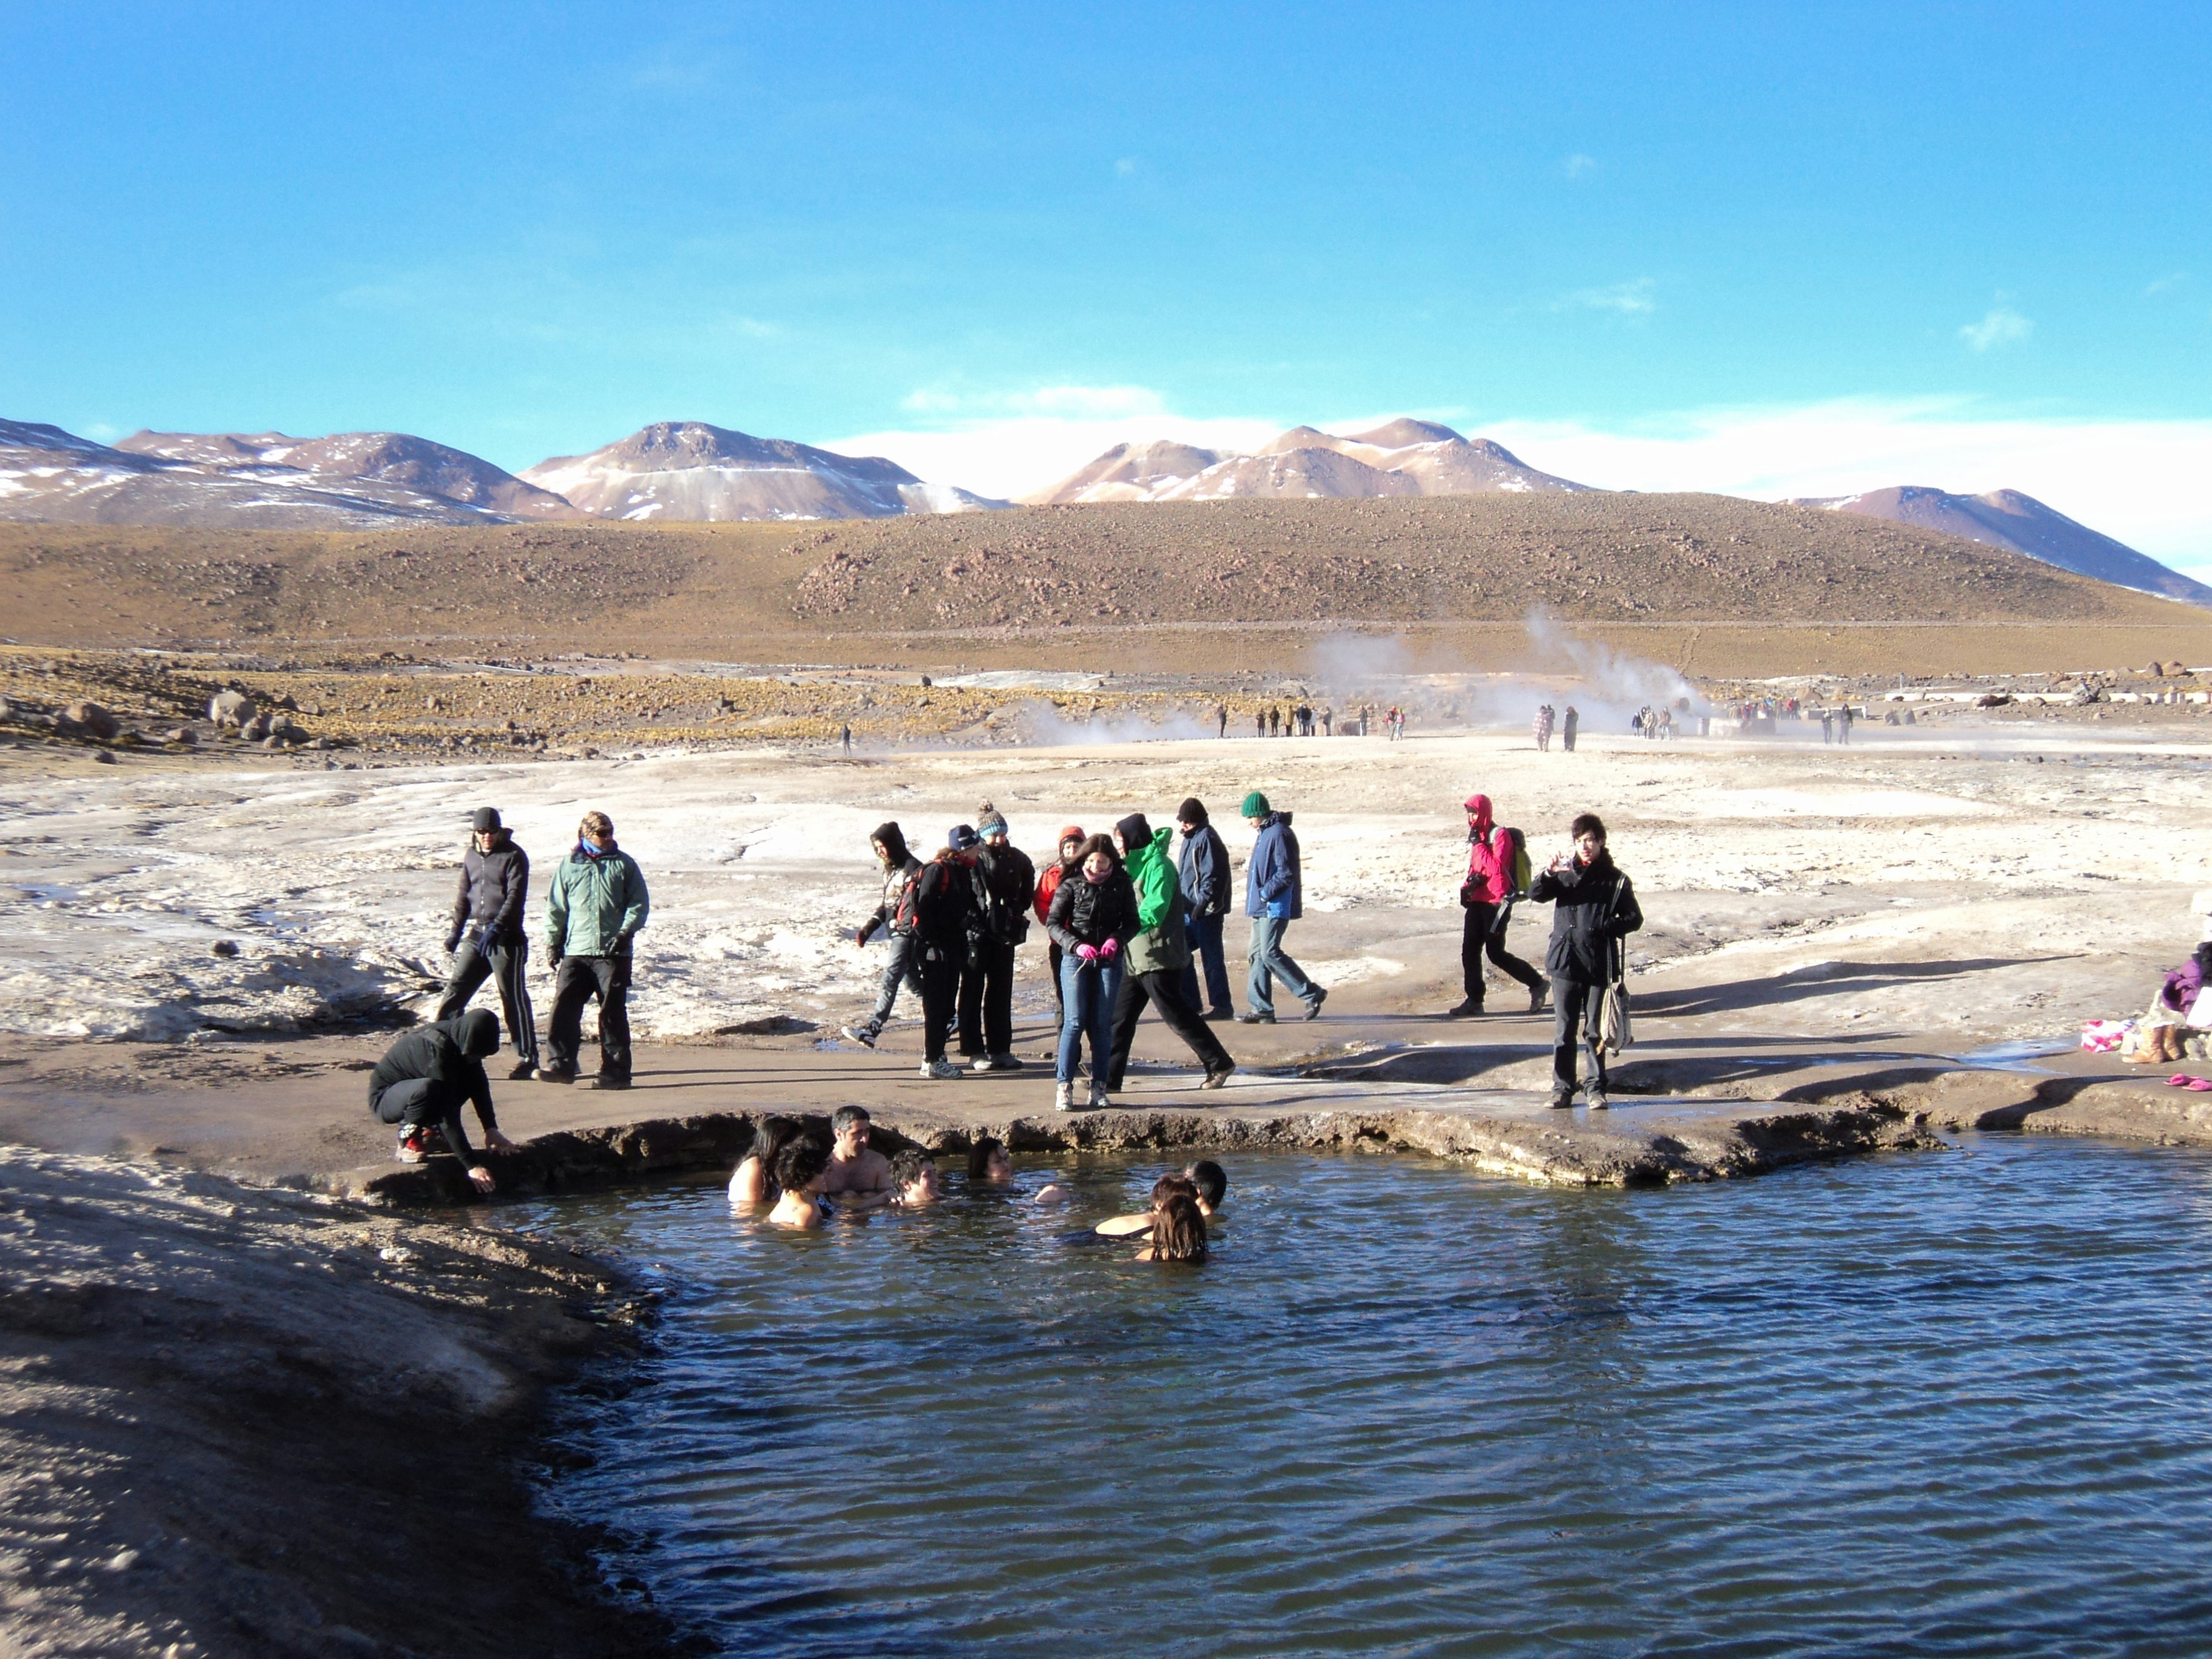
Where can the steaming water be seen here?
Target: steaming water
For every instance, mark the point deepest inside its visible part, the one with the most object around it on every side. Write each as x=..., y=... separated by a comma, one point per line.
x=1939, y=1404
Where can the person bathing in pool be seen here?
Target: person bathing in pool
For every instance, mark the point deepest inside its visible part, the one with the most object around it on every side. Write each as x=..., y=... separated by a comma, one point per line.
x=914, y=1180
x=1206, y=1181
x=855, y=1169
x=1178, y=1232
x=799, y=1172
x=988, y=1160
x=754, y=1182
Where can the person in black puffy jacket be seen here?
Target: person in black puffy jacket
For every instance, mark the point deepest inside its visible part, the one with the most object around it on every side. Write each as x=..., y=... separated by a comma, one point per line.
x=1005, y=882
x=1593, y=908
x=487, y=940
x=944, y=918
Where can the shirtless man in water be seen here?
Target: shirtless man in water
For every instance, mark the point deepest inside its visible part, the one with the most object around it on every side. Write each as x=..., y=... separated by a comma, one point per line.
x=855, y=1170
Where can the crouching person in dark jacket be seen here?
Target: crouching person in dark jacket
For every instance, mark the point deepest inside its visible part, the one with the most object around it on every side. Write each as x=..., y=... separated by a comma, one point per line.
x=422, y=1082
x=593, y=908
x=1593, y=909
x=487, y=940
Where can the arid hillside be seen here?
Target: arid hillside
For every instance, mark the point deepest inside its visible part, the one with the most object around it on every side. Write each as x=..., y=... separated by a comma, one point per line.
x=1159, y=586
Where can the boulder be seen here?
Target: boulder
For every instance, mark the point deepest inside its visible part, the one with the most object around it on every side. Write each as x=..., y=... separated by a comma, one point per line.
x=105, y=756
x=91, y=720
x=254, y=730
x=230, y=707
x=183, y=734
x=288, y=701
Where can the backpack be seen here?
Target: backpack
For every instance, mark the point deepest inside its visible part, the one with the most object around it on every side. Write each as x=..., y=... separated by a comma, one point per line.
x=1517, y=869
x=906, y=919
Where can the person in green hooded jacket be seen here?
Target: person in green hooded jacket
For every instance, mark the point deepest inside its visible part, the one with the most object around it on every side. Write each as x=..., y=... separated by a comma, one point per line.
x=593, y=910
x=1157, y=955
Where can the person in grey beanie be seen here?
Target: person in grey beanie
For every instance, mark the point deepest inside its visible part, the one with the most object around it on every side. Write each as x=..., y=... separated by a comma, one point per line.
x=486, y=940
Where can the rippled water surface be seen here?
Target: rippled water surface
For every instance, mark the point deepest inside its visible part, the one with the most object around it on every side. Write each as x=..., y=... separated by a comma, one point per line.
x=1945, y=1403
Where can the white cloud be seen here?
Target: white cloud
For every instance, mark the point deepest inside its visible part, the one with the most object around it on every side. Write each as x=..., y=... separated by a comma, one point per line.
x=2000, y=325
x=1627, y=299
x=1575, y=165
x=2166, y=284
x=2135, y=480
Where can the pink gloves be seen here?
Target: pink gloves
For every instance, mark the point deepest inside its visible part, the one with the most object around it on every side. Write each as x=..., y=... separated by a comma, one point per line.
x=1110, y=949
x=1088, y=952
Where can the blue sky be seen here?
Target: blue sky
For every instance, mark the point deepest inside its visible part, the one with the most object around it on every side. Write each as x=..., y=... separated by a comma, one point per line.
x=984, y=238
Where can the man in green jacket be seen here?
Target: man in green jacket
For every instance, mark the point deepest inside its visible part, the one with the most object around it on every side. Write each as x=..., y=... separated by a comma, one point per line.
x=595, y=906
x=1158, y=957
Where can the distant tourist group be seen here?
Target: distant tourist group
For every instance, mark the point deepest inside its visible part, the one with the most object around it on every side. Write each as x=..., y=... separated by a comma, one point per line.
x=1131, y=918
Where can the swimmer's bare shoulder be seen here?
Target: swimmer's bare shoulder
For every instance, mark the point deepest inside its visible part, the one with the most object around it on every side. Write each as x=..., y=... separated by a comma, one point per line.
x=870, y=1172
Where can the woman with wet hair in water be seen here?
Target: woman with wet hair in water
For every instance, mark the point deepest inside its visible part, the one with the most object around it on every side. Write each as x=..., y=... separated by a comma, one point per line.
x=798, y=1172
x=754, y=1182
x=988, y=1160
x=1178, y=1230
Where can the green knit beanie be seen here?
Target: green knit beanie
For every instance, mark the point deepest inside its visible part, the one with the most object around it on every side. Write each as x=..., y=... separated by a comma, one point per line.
x=1256, y=806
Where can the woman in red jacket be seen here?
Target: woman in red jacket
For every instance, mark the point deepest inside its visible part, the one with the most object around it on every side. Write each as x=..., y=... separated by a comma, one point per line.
x=1485, y=894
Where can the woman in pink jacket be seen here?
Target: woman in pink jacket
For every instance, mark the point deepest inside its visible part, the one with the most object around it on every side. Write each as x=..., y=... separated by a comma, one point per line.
x=1487, y=895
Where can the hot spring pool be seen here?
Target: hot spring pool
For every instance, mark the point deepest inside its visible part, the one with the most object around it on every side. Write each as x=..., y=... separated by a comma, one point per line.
x=1930, y=1404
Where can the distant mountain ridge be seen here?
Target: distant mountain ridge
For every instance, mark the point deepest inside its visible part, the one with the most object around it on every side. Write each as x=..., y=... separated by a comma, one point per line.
x=396, y=458
x=221, y=481
x=2008, y=519
x=1403, y=457
x=690, y=471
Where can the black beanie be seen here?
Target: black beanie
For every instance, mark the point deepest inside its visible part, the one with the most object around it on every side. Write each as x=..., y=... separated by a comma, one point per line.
x=1192, y=811
x=486, y=820
x=1134, y=831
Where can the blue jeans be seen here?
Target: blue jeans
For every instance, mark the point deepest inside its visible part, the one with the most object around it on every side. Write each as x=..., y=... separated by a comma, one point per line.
x=1268, y=958
x=1087, y=990
x=1204, y=933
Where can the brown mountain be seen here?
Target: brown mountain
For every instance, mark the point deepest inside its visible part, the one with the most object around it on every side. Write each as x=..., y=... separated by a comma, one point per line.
x=47, y=475
x=391, y=458
x=690, y=470
x=2006, y=518
x=1404, y=457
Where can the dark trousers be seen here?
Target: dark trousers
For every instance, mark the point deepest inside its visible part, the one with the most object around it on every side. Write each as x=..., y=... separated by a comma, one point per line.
x=1483, y=933
x=1204, y=933
x=1163, y=990
x=986, y=1000
x=423, y=1102
x=1567, y=738
x=901, y=970
x=941, y=998
x=580, y=980
x=1052, y=956
x=1575, y=1007
x=504, y=962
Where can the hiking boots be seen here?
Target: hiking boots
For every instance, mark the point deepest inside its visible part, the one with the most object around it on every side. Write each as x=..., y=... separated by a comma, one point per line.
x=1535, y=998
x=863, y=1035
x=553, y=1074
x=1596, y=1100
x=1313, y=1008
x=413, y=1147
x=1562, y=1100
x=1099, y=1102
x=1469, y=1009
x=1063, y=1097
x=608, y=1080
x=524, y=1069
x=941, y=1070
x=995, y=1063
x=1255, y=1019
x=1218, y=1075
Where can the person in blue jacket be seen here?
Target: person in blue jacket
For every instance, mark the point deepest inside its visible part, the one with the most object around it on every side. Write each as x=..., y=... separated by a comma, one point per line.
x=1273, y=892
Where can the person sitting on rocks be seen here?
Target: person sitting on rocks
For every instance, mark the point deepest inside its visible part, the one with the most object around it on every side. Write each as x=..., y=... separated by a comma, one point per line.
x=853, y=1167
x=914, y=1180
x=988, y=1160
x=798, y=1172
x=1178, y=1232
x=754, y=1181
x=421, y=1081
